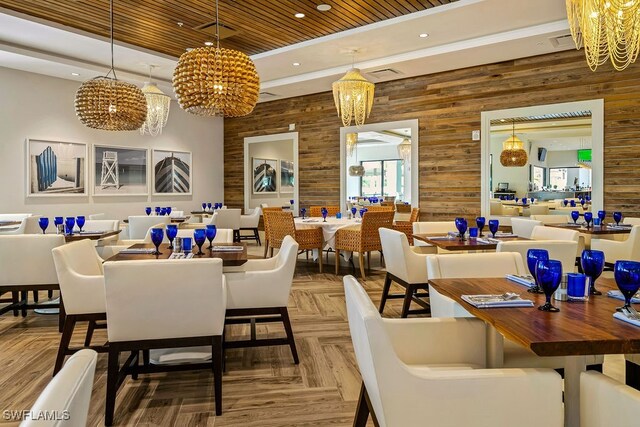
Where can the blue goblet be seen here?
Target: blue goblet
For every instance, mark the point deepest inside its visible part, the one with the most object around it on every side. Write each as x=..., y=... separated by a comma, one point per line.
x=627, y=275
x=303, y=212
x=43, y=223
x=574, y=216
x=210, y=233
x=480, y=222
x=533, y=256
x=494, y=224
x=157, y=210
x=80, y=221
x=324, y=213
x=524, y=200
x=592, y=265
x=362, y=211
x=58, y=220
x=157, y=234
x=199, y=236
x=602, y=215
x=617, y=217
x=573, y=203
x=516, y=199
x=461, y=225
x=204, y=206
x=69, y=222
x=172, y=232
x=291, y=202
x=588, y=198
x=565, y=202
x=168, y=209
x=582, y=202
x=147, y=210
x=353, y=211
x=549, y=275
x=588, y=216
x=209, y=207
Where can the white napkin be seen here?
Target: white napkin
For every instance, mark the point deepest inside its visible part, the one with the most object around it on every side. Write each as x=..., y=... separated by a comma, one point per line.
x=621, y=316
x=483, y=241
x=228, y=248
x=495, y=301
x=499, y=234
x=137, y=251
x=439, y=238
x=92, y=232
x=618, y=295
x=180, y=255
x=521, y=280
x=309, y=220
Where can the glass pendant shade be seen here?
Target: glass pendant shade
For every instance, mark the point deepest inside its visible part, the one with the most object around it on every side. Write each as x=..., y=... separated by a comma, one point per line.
x=213, y=81
x=351, y=139
x=356, y=170
x=157, y=109
x=607, y=29
x=353, y=96
x=404, y=150
x=513, y=153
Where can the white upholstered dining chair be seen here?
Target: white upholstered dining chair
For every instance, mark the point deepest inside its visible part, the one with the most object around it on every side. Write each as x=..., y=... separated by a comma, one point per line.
x=427, y=371
x=605, y=402
x=228, y=218
x=523, y=226
x=139, y=225
x=430, y=227
x=562, y=250
x=628, y=249
x=250, y=222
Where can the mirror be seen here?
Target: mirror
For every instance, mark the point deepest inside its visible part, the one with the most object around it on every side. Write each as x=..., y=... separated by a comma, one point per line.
x=374, y=167
x=564, y=158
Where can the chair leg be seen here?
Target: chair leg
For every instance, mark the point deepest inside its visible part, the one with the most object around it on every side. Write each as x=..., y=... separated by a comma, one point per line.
x=112, y=384
x=337, y=261
x=36, y=297
x=136, y=364
x=320, y=258
x=256, y=234
x=368, y=261
x=361, y=260
x=145, y=357
x=271, y=255
x=50, y=294
x=362, y=410
x=216, y=356
x=407, y=302
x=61, y=315
x=24, y=296
x=266, y=247
x=382, y=263
x=385, y=292
x=287, y=327
x=632, y=374
x=90, y=329
x=67, y=333
x=15, y=298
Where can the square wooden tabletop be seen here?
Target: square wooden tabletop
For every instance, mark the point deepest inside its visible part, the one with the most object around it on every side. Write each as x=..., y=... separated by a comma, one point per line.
x=469, y=244
x=594, y=229
x=229, y=258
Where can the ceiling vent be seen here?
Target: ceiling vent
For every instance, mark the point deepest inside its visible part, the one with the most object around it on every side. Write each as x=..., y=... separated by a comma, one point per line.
x=563, y=42
x=267, y=94
x=209, y=29
x=385, y=73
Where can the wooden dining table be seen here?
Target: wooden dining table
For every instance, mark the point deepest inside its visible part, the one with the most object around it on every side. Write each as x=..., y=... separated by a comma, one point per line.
x=90, y=235
x=594, y=229
x=229, y=258
x=485, y=243
x=578, y=330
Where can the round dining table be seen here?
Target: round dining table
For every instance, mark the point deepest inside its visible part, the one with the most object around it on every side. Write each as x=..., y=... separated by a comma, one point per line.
x=329, y=229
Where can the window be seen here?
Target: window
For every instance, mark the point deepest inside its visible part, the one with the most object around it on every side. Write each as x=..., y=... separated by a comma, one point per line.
x=382, y=177
x=537, y=177
x=558, y=178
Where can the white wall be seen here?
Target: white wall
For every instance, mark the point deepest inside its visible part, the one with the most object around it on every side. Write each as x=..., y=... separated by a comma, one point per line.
x=275, y=150
x=517, y=177
x=41, y=107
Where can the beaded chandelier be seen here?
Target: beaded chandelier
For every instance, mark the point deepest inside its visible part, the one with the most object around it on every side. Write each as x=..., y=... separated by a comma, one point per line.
x=157, y=108
x=353, y=95
x=213, y=81
x=404, y=150
x=513, y=153
x=110, y=104
x=351, y=141
x=608, y=29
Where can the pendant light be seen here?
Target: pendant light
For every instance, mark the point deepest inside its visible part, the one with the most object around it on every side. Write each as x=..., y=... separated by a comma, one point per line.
x=404, y=149
x=353, y=96
x=351, y=139
x=213, y=81
x=357, y=169
x=513, y=153
x=157, y=108
x=108, y=103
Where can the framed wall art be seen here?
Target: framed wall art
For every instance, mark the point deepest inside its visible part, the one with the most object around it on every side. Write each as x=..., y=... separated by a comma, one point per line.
x=264, y=175
x=56, y=168
x=172, y=172
x=287, y=176
x=120, y=171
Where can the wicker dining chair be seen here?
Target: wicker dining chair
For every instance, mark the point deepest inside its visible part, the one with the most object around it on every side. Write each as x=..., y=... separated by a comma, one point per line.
x=316, y=210
x=400, y=207
x=281, y=224
x=382, y=208
x=406, y=227
x=266, y=209
x=363, y=239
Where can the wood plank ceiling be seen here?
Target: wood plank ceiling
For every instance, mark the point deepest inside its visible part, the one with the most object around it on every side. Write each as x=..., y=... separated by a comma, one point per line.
x=254, y=25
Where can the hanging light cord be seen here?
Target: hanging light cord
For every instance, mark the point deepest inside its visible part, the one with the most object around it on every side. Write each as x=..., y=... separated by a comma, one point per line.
x=217, y=27
x=112, y=70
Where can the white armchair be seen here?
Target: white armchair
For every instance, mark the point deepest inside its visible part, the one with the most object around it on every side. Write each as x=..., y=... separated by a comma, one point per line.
x=223, y=235
x=562, y=250
x=554, y=233
x=428, y=227
x=81, y=279
x=262, y=287
x=14, y=217
x=101, y=225
x=523, y=227
x=250, y=222
x=605, y=402
x=196, y=287
x=406, y=268
x=98, y=216
x=69, y=392
x=631, y=220
x=551, y=219
x=28, y=225
x=140, y=224
x=620, y=250
x=228, y=218
x=421, y=371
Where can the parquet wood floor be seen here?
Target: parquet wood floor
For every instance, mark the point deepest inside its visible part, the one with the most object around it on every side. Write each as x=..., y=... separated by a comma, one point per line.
x=261, y=387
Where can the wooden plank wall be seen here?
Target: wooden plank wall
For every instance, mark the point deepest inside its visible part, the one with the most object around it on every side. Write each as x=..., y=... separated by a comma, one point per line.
x=448, y=107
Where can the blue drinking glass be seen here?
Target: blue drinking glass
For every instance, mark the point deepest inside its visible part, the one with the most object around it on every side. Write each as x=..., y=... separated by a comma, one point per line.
x=592, y=265
x=43, y=223
x=524, y=200
x=199, y=236
x=588, y=198
x=602, y=215
x=157, y=210
x=549, y=276
x=461, y=225
x=516, y=199
x=565, y=202
x=147, y=210
x=157, y=234
x=353, y=211
x=582, y=202
x=324, y=213
x=172, y=232
x=291, y=202
x=588, y=216
x=617, y=217
x=573, y=203
x=533, y=256
x=208, y=206
x=362, y=211
x=303, y=212
x=210, y=233
x=69, y=222
x=494, y=224
x=480, y=222
x=80, y=221
x=627, y=275
x=168, y=210
x=574, y=216
x=204, y=206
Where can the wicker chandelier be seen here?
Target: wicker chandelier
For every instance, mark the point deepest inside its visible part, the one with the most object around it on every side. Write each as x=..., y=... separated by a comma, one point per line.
x=110, y=104
x=404, y=149
x=157, y=108
x=213, y=81
x=351, y=139
x=608, y=29
x=353, y=95
x=513, y=153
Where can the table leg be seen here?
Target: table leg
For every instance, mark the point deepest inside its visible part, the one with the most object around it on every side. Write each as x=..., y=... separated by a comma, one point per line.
x=495, y=348
x=573, y=367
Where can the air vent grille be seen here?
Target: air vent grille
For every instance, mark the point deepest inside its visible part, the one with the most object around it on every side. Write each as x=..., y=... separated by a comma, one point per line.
x=384, y=73
x=563, y=42
x=209, y=29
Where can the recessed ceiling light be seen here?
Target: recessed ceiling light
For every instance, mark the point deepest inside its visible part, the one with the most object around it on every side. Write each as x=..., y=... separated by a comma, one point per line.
x=208, y=43
x=299, y=15
x=296, y=64
x=502, y=120
x=75, y=74
x=189, y=49
x=323, y=7
x=424, y=35
x=180, y=24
